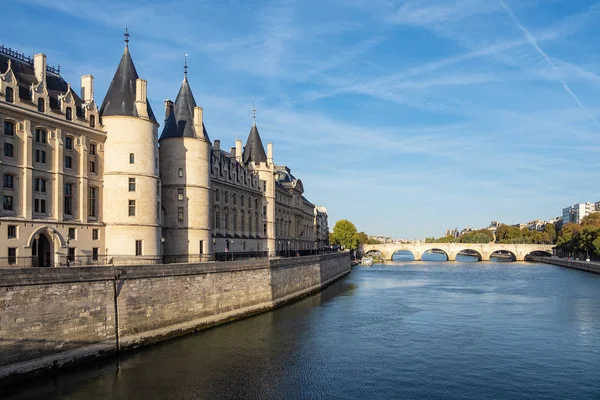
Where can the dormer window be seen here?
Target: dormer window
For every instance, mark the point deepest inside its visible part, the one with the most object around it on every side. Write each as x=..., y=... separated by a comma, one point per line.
x=10, y=95
x=69, y=113
x=41, y=105
x=92, y=121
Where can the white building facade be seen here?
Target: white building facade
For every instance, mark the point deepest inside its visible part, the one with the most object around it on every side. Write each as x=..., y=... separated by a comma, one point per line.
x=83, y=185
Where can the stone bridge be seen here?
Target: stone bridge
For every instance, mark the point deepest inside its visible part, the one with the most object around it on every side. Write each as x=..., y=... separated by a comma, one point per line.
x=484, y=250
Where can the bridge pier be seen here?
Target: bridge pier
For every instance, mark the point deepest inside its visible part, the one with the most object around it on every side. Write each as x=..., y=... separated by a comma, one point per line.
x=451, y=256
x=484, y=257
x=418, y=256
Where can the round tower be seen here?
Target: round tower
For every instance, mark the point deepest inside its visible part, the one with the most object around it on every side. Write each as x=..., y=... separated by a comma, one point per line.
x=131, y=196
x=185, y=177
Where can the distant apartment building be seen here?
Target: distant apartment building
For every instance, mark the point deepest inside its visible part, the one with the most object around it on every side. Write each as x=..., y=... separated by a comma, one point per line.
x=575, y=213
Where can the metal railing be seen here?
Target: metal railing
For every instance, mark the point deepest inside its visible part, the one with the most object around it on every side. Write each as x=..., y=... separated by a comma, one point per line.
x=63, y=260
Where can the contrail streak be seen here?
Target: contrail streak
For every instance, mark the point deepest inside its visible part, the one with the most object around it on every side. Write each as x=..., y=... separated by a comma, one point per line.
x=532, y=40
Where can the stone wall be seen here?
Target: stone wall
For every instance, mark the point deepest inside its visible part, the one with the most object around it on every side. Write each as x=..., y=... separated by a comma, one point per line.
x=574, y=264
x=57, y=316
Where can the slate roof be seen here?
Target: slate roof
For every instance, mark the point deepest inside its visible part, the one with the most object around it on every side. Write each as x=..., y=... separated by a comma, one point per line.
x=180, y=122
x=254, y=150
x=25, y=75
x=120, y=98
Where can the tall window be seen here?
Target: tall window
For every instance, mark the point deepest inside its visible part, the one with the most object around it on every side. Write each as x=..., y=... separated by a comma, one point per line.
x=92, y=166
x=138, y=247
x=226, y=218
x=131, y=158
x=71, y=254
x=132, y=208
x=41, y=136
x=41, y=105
x=68, y=201
x=8, y=181
x=40, y=156
x=217, y=221
x=180, y=194
x=72, y=232
x=12, y=255
x=95, y=234
x=92, y=149
x=132, y=184
x=243, y=220
x=10, y=95
x=94, y=254
x=39, y=205
x=180, y=214
x=9, y=128
x=8, y=150
x=216, y=194
x=92, y=121
x=69, y=113
x=234, y=199
x=69, y=143
x=180, y=172
x=234, y=219
x=7, y=203
x=12, y=231
x=39, y=185
x=92, y=201
x=226, y=196
x=68, y=162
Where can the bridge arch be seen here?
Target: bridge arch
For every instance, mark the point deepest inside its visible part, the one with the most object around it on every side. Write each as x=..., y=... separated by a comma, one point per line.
x=502, y=255
x=396, y=255
x=470, y=252
x=429, y=252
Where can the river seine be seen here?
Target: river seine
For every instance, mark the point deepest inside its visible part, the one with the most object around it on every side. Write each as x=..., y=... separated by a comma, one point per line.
x=404, y=330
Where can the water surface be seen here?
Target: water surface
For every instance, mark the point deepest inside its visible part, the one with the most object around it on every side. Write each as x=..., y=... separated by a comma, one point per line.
x=411, y=330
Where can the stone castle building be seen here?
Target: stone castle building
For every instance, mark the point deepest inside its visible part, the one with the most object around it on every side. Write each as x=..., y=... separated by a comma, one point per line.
x=83, y=185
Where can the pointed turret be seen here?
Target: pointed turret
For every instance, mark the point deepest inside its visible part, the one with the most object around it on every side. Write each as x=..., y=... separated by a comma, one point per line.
x=182, y=123
x=121, y=96
x=254, y=151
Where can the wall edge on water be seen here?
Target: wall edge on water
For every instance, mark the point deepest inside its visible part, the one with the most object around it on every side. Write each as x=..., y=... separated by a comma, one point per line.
x=578, y=265
x=337, y=264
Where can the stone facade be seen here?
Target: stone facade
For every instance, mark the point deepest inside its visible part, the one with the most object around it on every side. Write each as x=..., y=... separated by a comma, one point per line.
x=52, y=317
x=83, y=185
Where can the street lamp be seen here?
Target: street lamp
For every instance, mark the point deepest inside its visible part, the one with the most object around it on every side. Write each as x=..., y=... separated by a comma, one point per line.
x=288, y=248
x=162, y=246
x=232, y=249
x=37, y=245
x=68, y=251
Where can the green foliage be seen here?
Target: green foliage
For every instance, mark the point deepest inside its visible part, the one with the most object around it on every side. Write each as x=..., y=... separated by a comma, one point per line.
x=550, y=230
x=362, y=238
x=332, y=239
x=345, y=234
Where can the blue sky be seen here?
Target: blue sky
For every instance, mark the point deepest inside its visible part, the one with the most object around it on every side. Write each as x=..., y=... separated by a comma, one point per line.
x=407, y=117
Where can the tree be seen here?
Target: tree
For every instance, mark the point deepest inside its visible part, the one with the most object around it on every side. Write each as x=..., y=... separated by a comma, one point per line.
x=332, y=239
x=501, y=233
x=550, y=229
x=568, y=238
x=345, y=234
x=592, y=219
x=362, y=238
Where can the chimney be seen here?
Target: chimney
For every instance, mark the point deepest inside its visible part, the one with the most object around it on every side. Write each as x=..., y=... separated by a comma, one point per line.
x=140, y=97
x=168, y=108
x=198, y=127
x=232, y=152
x=269, y=153
x=238, y=150
x=87, y=88
x=217, y=145
x=39, y=67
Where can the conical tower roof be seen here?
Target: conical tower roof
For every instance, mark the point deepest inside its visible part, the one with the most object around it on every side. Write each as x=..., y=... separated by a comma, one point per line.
x=254, y=151
x=120, y=98
x=180, y=122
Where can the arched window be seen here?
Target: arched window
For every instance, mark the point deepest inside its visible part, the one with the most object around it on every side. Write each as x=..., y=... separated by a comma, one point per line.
x=41, y=105
x=131, y=158
x=69, y=113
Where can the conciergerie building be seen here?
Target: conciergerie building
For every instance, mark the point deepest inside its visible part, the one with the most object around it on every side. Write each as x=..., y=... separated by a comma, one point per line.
x=86, y=186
